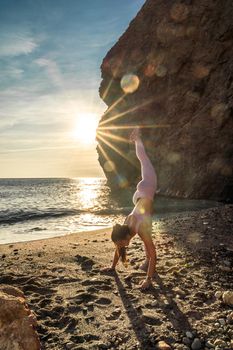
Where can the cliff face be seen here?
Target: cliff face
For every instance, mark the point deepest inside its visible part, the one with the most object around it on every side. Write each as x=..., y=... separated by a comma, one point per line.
x=180, y=55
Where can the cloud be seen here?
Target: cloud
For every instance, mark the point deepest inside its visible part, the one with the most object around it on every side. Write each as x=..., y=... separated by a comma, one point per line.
x=25, y=111
x=52, y=69
x=11, y=72
x=16, y=43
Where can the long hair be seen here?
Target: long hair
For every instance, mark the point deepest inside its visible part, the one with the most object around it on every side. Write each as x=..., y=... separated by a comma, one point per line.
x=120, y=232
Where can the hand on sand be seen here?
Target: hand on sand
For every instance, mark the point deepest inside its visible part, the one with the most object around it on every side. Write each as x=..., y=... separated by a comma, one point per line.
x=135, y=134
x=145, y=284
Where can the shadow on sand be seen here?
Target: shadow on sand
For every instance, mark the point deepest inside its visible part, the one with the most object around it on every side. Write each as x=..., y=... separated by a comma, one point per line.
x=145, y=337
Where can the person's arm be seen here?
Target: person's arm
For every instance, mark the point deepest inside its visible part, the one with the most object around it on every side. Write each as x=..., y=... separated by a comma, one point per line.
x=115, y=259
x=114, y=262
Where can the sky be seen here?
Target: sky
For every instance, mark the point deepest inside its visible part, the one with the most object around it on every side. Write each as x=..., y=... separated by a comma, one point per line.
x=50, y=57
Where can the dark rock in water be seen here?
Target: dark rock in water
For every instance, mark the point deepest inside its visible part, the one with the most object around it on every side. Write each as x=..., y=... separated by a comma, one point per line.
x=171, y=72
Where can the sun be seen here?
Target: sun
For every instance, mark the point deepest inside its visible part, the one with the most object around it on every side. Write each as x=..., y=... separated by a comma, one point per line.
x=85, y=128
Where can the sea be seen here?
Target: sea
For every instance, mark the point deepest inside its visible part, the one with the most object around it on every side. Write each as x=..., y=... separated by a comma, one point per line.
x=32, y=209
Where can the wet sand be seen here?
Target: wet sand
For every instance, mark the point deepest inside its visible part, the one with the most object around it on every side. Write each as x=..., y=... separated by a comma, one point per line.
x=80, y=307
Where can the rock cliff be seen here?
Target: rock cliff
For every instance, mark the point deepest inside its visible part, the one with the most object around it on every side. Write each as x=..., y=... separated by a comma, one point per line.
x=172, y=73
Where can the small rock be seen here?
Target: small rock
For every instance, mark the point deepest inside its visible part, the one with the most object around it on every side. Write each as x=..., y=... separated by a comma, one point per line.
x=227, y=298
x=230, y=318
x=186, y=341
x=196, y=344
x=220, y=343
x=181, y=347
x=70, y=345
x=3, y=256
x=209, y=345
x=227, y=262
x=218, y=295
x=161, y=345
x=225, y=268
x=189, y=335
x=150, y=319
x=222, y=321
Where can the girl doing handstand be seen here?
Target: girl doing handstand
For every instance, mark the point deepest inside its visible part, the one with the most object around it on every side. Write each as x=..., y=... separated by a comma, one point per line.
x=139, y=221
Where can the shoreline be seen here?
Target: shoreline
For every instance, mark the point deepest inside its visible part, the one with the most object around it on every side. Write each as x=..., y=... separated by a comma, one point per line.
x=157, y=216
x=79, y=307
x=54, y=237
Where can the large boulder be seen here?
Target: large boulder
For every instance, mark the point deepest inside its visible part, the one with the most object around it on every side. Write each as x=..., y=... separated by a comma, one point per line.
x=17, y=322
x=179, y=55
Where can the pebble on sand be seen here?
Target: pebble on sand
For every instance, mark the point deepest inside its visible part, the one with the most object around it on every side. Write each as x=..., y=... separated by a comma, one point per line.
x=218, y=295
x=189, y=335
x=196, y=344
x=227, y=298
x=162, y=345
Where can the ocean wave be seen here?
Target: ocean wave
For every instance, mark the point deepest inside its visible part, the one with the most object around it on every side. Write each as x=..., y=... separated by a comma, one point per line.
x=11, y=217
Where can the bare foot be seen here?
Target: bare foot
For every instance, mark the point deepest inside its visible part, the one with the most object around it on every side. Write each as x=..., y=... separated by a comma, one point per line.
x=135, y=134
x=145, y=284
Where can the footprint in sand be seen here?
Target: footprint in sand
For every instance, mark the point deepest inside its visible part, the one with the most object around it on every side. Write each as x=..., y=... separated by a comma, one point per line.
x=7, y=279
x=97, y=284
x=37, y=289
x=44, y=302
x=84, y=298
x=92, y=290
x=71, y=325
x=114, y=315
x=27, y=284
x=84, y=338
x=85, y=263
x=103, y=301
x=73, y=308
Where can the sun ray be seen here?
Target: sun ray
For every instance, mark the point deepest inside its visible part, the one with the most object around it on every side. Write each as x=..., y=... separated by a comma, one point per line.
x=103, y=152
x=116, y=150
x=107, y=89
x=114, y=137
x=107, y=159
x=125, y=112
x=148, y=126
x=114, y=104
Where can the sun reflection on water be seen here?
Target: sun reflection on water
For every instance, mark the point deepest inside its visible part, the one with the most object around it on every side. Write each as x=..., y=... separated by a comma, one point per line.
x=88, y=192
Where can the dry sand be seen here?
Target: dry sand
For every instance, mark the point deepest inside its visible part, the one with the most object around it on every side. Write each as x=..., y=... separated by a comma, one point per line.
x=79, y=307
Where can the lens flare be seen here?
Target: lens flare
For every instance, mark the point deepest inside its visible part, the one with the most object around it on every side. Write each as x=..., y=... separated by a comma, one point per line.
x=122, y=181
x=109, y=166
x=161, y=71
x=130, y=83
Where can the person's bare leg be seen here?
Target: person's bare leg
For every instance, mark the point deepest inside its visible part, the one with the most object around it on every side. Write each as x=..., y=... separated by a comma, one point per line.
x=145, y=264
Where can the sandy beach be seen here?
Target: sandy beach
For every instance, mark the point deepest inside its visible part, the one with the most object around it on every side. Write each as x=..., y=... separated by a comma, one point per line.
x=80, y=307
